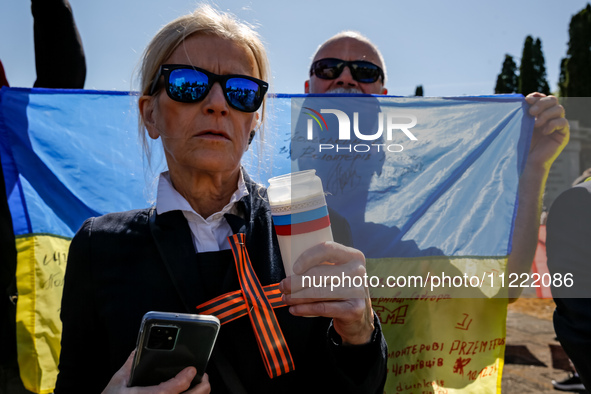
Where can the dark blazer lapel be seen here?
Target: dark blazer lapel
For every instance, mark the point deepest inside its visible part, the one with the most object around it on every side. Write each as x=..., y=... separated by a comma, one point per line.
x=237, y=224
x=172, y=236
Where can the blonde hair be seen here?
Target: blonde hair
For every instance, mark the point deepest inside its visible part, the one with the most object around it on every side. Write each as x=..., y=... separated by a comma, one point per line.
x=205, y=20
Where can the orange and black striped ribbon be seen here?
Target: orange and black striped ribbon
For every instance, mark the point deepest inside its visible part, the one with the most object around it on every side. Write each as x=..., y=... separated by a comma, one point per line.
x=258, y=302
x=231, y=306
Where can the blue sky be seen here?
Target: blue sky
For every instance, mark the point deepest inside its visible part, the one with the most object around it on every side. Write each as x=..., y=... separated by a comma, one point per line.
x=451, y=47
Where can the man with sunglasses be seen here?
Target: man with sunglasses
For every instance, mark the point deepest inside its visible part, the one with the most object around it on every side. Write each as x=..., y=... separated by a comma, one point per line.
x=347, y=63
x=350, y=63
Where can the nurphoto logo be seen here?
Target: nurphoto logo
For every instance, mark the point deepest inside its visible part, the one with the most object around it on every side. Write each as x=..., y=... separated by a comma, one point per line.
x=390, y=121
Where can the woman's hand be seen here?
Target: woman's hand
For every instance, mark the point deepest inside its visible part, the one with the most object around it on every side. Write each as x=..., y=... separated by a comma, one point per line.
x=331, y=264
x=179, y=384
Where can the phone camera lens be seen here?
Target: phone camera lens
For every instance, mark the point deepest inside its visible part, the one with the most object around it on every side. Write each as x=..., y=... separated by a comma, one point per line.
x=162, y=338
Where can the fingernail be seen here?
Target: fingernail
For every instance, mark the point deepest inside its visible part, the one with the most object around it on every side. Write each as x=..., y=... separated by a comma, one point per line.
x=281, y=287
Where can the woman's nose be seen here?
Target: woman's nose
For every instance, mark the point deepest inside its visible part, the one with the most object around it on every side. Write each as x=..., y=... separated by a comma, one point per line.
x=215, y=101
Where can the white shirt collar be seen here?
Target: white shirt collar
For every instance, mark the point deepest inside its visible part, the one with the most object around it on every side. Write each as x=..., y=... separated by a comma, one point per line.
x=208, y=234
x=168, y=199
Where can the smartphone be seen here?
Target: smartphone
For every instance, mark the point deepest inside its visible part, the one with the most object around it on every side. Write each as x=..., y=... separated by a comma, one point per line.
x=168, y=343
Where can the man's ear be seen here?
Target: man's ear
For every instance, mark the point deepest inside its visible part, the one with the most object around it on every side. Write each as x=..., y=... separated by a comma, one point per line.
x=307, y=86
x=146, y=106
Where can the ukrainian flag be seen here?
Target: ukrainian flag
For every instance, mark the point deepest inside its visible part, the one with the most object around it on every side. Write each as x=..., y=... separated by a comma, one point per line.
x=428, y=187
x=449, y=196
x=66, y=156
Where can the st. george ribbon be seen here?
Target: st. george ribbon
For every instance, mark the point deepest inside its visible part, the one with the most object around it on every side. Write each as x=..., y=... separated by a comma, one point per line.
x=299, y=214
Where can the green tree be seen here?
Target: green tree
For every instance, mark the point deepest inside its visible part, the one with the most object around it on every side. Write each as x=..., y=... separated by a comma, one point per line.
x=419, y=90
x=577, y=64
x=562, y=78
x=575, y=74
x=532, y=71
x=540, y=69
x=527, y=78
x=507, y=79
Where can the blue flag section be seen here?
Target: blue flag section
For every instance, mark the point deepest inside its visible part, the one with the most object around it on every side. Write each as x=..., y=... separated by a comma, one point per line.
x=69, y=155
x=417, y=180
x=417, y=176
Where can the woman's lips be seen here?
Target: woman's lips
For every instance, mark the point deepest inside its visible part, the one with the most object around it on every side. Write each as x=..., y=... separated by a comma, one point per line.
x=213, y=134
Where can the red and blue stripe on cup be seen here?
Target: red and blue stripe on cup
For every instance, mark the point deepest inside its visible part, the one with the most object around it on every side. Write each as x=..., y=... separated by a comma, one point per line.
x=301, y=218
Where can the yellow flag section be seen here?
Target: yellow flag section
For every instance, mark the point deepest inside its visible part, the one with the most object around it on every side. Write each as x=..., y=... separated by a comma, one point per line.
x=438, y=343
x=41, y=264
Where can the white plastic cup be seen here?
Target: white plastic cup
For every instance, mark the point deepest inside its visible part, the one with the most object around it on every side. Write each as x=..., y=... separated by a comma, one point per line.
x=299, y=214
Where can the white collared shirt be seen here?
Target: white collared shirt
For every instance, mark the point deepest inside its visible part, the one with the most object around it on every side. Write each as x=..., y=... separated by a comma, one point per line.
x=209, y=235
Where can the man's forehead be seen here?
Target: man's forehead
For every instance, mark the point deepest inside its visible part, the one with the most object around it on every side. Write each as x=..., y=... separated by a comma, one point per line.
x=348, y=48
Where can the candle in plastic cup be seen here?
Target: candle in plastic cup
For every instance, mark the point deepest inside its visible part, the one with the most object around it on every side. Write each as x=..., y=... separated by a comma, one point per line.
x=299, y=214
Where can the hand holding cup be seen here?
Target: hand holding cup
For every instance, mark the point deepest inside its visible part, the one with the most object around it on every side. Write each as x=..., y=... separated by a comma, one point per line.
x=320, y=286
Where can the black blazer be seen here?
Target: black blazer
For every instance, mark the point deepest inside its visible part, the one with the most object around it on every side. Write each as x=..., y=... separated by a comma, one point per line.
x=123, y=265
x=568, y=247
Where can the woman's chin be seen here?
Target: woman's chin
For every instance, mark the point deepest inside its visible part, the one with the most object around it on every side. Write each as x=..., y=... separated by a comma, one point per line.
x=215, y=163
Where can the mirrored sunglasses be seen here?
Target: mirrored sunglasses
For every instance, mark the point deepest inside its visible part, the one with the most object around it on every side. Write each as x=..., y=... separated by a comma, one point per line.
x=188, y=84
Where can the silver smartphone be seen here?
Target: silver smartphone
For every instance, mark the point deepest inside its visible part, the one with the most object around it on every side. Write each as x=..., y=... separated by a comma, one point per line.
x=169, y=342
